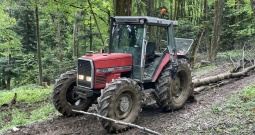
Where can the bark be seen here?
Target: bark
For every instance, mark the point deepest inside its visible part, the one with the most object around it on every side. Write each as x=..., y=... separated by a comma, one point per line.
x=218, y=10
x=90, y=34
x=253, y=5
x=217, y=78
x=207, y=39
x=58, y=37
x=138, y=6
x=38, y=45
x=78, y=40
x=202, y=88
x=195, y=46
x=74, y=36
x=85, y=38
x=8, y=83
x=3, y=84
x=171, y=10
x=175, y=9
x=150, y=13
x=123, y=7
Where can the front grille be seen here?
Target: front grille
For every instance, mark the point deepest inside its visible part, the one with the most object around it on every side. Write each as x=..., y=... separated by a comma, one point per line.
x=85, y=69
x=100, y=79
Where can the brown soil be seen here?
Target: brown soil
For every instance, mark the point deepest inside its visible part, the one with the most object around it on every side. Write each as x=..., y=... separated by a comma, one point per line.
x=182, y=121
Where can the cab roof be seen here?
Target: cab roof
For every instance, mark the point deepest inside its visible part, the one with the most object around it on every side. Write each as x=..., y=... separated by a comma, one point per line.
x=144, y=19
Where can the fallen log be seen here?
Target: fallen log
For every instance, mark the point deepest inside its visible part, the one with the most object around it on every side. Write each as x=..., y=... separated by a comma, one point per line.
x=217, y=78
x=202, y=88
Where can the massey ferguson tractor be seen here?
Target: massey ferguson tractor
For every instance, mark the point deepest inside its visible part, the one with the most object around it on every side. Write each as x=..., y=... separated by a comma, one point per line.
x=134, y=64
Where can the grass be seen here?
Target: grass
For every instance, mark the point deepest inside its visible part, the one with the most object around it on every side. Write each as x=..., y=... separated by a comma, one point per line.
x=33, y=104
x=205, y=69
x=25, y=94
x=234, y=115
x=237, y=112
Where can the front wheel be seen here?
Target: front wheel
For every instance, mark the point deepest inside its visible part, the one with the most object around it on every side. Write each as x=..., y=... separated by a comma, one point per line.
x=174, y=93
x=64, y=98
x=120, y=100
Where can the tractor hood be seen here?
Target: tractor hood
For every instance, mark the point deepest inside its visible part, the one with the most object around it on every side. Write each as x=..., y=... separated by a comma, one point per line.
x=110, y=60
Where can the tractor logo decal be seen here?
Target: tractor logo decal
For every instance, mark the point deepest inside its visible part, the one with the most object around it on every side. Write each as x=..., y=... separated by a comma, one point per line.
x=104, y=70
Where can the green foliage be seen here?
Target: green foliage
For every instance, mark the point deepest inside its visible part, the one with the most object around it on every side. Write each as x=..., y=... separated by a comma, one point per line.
x=200, y=70
x=240, y=108
x=58, y=34
x=248, y=94
x=26, y=94
x=186, y=29
x=33, y=104
x=21, y=116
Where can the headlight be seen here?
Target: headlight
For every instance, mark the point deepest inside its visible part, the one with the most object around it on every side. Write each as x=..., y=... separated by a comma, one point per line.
x=80, y=77
x=88, y=78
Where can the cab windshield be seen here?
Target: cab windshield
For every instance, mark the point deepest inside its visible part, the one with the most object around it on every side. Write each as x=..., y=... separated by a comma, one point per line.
x=128, y=38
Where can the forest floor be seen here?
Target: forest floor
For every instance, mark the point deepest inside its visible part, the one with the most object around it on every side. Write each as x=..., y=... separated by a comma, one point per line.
x=221, y=110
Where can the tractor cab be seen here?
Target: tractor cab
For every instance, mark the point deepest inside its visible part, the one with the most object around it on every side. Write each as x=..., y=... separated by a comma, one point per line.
x=148, y=40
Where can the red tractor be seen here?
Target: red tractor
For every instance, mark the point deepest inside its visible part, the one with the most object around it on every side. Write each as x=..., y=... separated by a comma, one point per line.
x=135, y=64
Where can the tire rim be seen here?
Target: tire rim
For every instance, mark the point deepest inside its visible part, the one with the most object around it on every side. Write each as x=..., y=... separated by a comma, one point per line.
x=179, y=87
x=124, y=105
x=176, y=87
x=71, y=97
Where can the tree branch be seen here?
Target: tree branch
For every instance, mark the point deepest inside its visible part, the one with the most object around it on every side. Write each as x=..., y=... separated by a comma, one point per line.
x=120, y=122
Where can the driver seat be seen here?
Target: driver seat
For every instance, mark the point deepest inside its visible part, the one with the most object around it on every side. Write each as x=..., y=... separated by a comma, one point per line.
x=150, y=52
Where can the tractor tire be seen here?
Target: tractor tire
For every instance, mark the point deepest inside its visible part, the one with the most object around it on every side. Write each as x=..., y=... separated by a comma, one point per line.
x=173, y=93
x=64, y=98
x=119, y=100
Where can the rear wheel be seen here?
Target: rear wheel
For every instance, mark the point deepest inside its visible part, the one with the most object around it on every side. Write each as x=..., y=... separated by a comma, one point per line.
x=173, y=93
x=120, y=100
x=64, y=98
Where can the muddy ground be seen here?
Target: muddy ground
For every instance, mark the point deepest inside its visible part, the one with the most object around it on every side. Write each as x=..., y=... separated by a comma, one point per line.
x=184, y=121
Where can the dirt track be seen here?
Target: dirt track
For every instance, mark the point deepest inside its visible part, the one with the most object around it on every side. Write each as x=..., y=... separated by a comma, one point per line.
x=151, y=117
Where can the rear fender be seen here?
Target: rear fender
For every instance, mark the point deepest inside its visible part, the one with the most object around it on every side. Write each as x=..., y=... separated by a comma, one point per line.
x=164, y=61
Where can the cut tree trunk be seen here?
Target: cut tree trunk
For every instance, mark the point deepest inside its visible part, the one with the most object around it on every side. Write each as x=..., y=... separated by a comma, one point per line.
x=217, y=78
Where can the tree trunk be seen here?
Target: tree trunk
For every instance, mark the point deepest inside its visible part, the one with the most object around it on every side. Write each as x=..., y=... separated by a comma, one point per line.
x=195, y=46
x=3, y=84
x=8, y=85
x=207, y=39
x=123, y=7
x=90, y=34
x=38, y=45
x=95, y=19
x=218, y=5
x=58, y=37
x=171, y=10
x=253, y=5
x=74, y=35
x=150, y=13
x=138, y=6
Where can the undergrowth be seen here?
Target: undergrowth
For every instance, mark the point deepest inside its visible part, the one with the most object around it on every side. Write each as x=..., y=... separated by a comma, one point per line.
x=233, y=115
x=237, y=112
x=33, y=104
